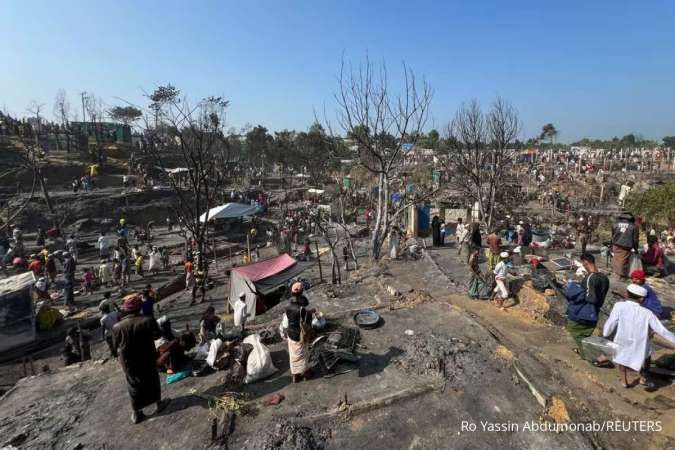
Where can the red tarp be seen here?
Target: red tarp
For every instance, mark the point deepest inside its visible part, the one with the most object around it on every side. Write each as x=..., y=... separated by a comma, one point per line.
x=264, y=269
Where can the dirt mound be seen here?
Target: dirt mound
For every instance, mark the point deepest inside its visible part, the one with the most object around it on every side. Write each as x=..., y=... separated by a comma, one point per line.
x=441, y=356
x=286, y=436
x=411, y=300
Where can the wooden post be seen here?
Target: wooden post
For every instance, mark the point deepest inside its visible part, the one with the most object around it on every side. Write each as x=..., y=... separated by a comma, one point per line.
x=318, y=258
x=215, y=257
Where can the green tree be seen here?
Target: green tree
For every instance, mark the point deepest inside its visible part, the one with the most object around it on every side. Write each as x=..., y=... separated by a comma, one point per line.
x=549, y=132
x=669, y=141
x=284, y=150
x=316, y=151
x=430, y=140
x=656, y=205
x=629, y=140
x=125, y=114
x=258, y=145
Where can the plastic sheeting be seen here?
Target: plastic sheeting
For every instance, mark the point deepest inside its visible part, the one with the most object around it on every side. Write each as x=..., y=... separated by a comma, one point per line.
x=17, y=316
x=230, y=211
x=262, y=277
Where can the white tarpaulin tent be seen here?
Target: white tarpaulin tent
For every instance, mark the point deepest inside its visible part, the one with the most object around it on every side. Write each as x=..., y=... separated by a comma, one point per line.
x=230, y=211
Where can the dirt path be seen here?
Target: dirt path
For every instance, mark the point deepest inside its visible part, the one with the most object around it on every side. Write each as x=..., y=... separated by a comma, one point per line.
x=546, y=352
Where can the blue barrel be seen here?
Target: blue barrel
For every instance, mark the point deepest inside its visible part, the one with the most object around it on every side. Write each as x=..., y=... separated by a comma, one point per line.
x=423, y=219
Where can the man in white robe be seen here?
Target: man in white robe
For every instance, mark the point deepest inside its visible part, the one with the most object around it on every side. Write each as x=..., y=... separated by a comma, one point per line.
x=632, y=324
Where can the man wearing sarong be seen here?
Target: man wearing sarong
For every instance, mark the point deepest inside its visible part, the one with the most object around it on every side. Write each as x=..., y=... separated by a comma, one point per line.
x=299, y=323
x=625, y=238
x=134, y=340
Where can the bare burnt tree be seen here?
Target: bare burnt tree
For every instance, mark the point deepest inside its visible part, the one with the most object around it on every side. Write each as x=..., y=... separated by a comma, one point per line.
x=28, y=155
x=381, y=123
x=62, y=113
x=97, y=112
x=478, y=154
x=192, y=136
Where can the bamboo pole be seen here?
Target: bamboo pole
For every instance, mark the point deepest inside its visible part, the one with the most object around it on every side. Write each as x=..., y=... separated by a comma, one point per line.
x=318, y=258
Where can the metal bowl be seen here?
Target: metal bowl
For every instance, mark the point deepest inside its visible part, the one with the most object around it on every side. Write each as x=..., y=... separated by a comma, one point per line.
x=367, y=318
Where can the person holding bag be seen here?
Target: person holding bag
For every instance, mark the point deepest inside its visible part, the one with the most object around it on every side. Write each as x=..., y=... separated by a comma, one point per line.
x=585, y=301
x=299, y=332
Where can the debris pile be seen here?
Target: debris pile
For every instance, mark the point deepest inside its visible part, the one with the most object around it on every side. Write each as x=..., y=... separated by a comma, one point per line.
x=439, y=355
x=286, y=436
x=411, y=300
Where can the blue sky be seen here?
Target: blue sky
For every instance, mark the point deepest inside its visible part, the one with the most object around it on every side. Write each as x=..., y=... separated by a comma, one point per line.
x=593, y=68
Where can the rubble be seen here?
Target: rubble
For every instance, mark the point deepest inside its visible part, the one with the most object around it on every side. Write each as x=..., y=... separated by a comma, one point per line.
x=439, y=355
x=414, y=298
x=286, y=436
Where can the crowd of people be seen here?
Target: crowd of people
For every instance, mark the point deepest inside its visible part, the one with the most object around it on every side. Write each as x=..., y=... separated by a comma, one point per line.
x=632, y=321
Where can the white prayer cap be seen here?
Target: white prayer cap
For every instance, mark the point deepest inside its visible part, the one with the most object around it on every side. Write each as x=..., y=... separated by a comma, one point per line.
x=636, y=289
x=504, y=254
x=521, y=223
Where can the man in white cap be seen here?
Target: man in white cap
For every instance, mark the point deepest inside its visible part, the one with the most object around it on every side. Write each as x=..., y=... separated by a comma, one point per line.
x=240, y=313
x=500, y=279
x=633, y=324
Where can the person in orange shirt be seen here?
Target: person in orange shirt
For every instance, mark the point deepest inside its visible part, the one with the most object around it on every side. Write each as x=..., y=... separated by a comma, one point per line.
x=35, y=265
x=189, y=274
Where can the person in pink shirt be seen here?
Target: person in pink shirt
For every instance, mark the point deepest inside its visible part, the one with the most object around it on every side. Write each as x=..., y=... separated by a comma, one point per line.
x=654, y=259
x=88, y=281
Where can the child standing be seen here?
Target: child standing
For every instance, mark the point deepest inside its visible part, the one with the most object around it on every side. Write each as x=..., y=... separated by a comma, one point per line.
x=117, y=272
x=139, y=264
x=88, y=281
x=105, y=272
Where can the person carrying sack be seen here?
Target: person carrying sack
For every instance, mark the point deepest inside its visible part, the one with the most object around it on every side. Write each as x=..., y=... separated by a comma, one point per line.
x=585, y=301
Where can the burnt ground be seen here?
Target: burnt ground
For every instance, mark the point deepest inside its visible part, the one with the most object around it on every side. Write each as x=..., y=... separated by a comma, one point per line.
x=545, y=351
x=396, y=396
x=387, y=406
x=437, y=360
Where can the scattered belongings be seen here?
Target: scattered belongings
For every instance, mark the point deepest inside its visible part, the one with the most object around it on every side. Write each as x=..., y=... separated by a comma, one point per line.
x=175, y=377
x=367, y=319
x=47, y=317
x=595, y=346
x=563, y=263
x=274, y=399
x=259, y=364
x=331, y=348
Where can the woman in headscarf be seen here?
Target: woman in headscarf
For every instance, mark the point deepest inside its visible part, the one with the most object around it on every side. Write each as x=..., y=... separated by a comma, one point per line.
x=475, y=241
x=478, y=288
x=436, y=231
